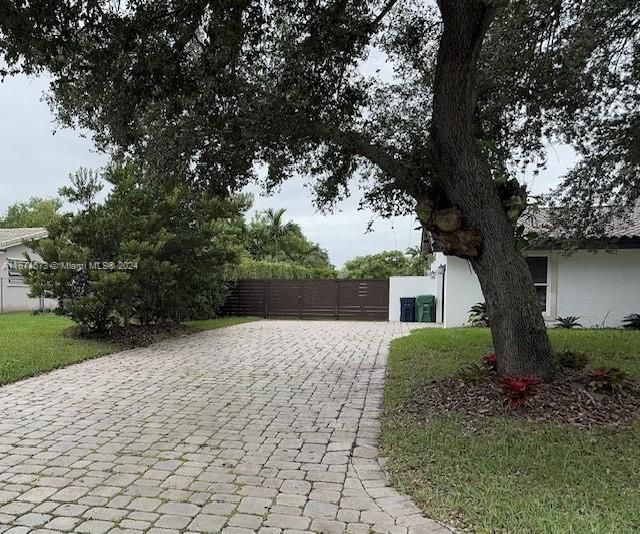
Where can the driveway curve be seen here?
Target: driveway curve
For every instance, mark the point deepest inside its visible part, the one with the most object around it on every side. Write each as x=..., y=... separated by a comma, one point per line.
x=266, y=427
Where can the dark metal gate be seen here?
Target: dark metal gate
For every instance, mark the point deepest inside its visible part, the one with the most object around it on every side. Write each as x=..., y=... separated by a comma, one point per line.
x=310, y=299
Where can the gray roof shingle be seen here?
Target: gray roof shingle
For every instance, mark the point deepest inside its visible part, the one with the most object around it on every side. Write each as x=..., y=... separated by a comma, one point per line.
x=627, y=227
x=621, y=226
x=10, y=237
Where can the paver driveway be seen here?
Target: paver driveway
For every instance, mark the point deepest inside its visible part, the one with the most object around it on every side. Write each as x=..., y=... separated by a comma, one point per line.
x=263, y=427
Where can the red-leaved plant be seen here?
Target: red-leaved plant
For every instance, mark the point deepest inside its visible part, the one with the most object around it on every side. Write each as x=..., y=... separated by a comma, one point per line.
x=519, y=389
x=491, y=361
x=607, y=379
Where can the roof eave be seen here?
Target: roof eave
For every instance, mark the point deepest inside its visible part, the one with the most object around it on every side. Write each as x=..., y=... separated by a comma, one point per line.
x=40, y=234
x=612, y=243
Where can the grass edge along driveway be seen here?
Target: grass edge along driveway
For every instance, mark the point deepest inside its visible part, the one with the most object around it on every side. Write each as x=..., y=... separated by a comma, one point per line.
x=505, y=475
x=33, y=344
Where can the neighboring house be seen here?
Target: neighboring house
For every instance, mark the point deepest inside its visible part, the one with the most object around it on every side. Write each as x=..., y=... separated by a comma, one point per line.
x=14, y=293
x=600, y=286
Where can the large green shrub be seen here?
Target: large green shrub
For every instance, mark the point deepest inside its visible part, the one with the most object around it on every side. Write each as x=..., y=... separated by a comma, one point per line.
x=386, y=264
x=148, y=253
x=250, y=269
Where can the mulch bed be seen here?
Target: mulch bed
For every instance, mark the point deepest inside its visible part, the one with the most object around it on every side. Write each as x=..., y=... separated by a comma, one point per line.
x=566, y=400
x=136, y=335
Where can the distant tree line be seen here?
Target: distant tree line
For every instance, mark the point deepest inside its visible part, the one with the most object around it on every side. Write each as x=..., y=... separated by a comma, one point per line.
x=388, y=263
x=35, y=213
x=277, y=248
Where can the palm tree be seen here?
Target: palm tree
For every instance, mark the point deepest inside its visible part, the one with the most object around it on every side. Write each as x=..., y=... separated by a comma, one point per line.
x=419, y=262
x=413, y=252
x=277, y=229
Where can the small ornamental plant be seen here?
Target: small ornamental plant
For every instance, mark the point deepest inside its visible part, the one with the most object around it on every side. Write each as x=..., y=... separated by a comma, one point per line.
x=491, y=361
x=606, y=379
x=568, y=322
x=472, y=373
x=572, y=360
x=518, y=390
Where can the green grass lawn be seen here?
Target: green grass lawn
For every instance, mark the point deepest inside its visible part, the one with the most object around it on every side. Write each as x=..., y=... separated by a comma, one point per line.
x=32, y=344
x=505, y=475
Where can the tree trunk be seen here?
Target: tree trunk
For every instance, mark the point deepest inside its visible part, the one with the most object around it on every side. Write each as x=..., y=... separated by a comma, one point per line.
x=519, y=333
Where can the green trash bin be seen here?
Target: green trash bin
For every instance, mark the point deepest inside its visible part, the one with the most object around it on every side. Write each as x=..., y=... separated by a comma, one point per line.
x=426, y=309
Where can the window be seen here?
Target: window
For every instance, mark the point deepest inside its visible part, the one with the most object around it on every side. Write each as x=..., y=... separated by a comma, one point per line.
x=539, y=268
x=14, y=270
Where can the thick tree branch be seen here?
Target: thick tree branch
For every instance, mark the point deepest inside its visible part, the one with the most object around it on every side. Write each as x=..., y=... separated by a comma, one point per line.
x=377, y=154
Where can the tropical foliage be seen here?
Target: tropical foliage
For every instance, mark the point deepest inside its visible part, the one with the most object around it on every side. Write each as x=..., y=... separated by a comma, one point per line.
x=572, y=359
x=479, y=315
x=250, y=269
x=570, y=321
x=632, y=321
x=518, y=390
x=271, y=238
x=606, y=379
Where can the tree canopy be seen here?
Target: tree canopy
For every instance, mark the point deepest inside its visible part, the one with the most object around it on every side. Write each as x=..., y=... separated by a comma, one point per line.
x=148, y=253
x=208, y=89
x=36, y=212
x=269, y=237
x=276, y=248
x=385, y=264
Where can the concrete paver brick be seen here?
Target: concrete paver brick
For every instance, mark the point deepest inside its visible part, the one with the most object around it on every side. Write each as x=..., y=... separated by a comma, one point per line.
x=267, y=427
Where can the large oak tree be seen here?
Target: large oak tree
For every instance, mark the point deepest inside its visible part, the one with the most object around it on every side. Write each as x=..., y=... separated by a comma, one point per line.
x=204, y=90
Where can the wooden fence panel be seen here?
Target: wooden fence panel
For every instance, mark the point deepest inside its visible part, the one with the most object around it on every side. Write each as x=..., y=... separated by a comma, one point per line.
x=364, y=299
x=310, y=299
x=320, y=299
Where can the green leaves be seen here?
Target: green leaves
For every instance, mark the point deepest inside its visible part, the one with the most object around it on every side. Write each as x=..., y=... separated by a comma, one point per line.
x=151, y=252
x=36, y=212
x=203, y=91
x=270, y=238
x=385, y=264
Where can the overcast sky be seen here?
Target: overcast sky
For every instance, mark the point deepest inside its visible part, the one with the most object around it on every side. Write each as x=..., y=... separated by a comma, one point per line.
x=35, y=162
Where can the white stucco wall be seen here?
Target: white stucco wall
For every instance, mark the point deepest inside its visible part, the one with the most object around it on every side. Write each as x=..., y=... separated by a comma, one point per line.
x=601, y=288
x=15, y=296
x=461, y=291
x=408, y=286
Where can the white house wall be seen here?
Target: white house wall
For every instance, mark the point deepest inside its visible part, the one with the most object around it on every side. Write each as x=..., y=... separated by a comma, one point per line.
x=601, y=288
x=408, y=286
x=17, y=252
x=15, y=296
x=461, y=291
